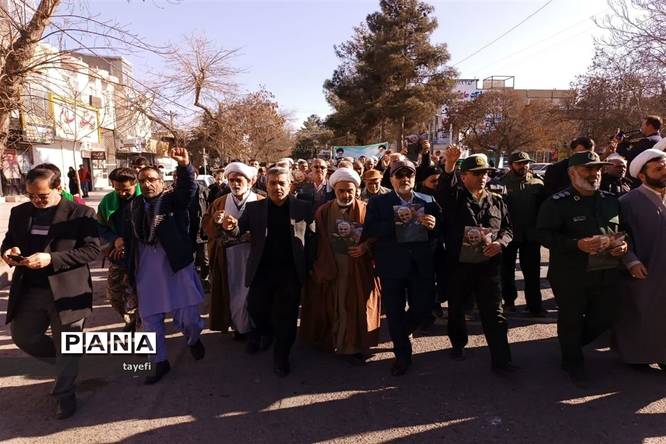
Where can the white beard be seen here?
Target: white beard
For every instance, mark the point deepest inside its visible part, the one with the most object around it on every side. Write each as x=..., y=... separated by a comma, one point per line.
x=584, y=184
x=342, y=204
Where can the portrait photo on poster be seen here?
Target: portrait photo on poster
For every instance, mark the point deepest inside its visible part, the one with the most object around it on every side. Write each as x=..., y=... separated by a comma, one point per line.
x=407, y=225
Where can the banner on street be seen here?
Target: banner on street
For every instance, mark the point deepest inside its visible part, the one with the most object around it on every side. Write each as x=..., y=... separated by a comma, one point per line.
x=375, y=149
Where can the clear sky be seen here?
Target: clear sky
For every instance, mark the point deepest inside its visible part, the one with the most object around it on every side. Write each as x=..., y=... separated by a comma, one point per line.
x=287, y=46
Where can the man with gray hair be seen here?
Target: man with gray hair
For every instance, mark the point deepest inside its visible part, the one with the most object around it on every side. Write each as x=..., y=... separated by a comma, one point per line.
x=315, y=189
x=281, y=232
x=580, y=228
x=613, y=178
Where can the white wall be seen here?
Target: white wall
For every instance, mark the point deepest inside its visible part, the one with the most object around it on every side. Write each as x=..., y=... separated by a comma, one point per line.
x=59, y=154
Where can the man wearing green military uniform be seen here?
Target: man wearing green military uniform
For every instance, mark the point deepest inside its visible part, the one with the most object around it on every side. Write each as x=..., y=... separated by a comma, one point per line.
x=523, y=192
x=577, y=225
x=476, y=230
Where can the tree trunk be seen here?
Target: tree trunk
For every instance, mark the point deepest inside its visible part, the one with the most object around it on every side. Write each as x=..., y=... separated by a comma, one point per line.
x=19, y=55
x=401, y=135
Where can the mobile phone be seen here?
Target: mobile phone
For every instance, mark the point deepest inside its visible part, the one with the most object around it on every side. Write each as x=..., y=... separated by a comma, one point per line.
x=16, y=258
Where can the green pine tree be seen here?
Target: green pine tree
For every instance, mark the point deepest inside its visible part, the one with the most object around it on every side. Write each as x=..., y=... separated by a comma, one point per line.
x=391, y=77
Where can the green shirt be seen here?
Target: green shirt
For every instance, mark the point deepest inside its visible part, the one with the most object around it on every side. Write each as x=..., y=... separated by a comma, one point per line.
x=566, y=217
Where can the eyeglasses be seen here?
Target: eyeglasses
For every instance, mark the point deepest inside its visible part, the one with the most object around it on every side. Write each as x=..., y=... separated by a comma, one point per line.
x=149, y=180
x=40, y=197
x=402, y=175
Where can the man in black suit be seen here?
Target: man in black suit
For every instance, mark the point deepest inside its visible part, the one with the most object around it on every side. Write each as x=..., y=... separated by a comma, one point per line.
x=404, y=264
x=650, y=127
x=556, y=178
x=281, y=230
x=50, y=241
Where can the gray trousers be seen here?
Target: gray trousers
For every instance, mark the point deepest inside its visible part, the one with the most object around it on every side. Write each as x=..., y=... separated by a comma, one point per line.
x=36, y=311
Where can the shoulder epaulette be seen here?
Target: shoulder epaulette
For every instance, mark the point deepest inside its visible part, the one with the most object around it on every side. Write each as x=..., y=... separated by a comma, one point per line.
x=562, y=194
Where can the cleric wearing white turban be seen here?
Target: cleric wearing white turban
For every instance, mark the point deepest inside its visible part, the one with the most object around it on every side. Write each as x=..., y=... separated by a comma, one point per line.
x=646, y=156
x=228, y=260
x=344, y=175
x=239, y=167
x=640, y=330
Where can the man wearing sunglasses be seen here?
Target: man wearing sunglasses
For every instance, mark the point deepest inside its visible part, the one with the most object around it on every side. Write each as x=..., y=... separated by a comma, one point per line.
x=405, y=267
x=314, y=190
x=50, y=241
x=467, y=203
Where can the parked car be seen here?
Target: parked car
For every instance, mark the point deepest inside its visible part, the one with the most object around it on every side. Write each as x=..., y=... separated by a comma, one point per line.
x=204, y=180
x=539, y=168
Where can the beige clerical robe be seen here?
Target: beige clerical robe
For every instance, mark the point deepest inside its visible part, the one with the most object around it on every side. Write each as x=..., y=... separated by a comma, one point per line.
x=221, y=316
x=341, y=302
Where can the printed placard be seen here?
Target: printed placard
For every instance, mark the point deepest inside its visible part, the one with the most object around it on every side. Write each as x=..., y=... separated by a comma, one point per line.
x=474, y=241
x=407, y=225
x=347, y=234
x=604, y=260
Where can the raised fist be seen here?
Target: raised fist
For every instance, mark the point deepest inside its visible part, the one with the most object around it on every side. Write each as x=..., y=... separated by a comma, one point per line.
x=181, y=156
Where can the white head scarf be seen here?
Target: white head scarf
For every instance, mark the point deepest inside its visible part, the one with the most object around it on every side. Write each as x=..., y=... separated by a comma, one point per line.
x=345, y=175
x=240, y=168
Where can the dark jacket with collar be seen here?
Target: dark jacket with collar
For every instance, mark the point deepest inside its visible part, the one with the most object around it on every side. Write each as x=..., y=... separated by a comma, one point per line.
x=523, y=196
x=73, y=243
x=393, y=260
x=617, y=186
x=460, y=212
x=197, y=209
x=303, y=242
x=630, y=150
x=173, y=232
x=566, y=217
x=556, y=178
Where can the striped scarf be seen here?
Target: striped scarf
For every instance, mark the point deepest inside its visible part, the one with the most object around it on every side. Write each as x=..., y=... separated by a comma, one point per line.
x=146, y=217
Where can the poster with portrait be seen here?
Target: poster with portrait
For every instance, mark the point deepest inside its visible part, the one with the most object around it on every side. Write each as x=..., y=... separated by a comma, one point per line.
x=474, y=241
x=407, y=225
x=604, y=260
x=347, y=234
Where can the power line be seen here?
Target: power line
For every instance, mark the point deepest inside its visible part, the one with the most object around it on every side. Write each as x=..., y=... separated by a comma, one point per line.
x=541, y=41
x=504, y=34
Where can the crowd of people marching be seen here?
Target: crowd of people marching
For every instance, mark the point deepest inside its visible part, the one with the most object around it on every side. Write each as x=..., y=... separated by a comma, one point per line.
x=337, y=243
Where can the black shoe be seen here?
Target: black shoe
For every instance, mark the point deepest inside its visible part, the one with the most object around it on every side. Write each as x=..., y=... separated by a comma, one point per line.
x=198, y=350
x=505, y=369
x=240, y=337
x=130, y=326
x=161, y=369
x=65, y=406
x=509, y=308
x=357, y=359
x=281, y=370
x=400, y=366
x=265, y=343
x=578, y=376
x=457, y=353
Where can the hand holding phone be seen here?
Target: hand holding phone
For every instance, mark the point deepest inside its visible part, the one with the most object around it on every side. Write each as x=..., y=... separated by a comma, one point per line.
x=12, y=256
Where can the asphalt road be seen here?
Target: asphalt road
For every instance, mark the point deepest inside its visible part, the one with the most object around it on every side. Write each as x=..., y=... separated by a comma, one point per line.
x=233, y=397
